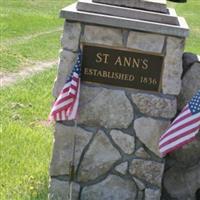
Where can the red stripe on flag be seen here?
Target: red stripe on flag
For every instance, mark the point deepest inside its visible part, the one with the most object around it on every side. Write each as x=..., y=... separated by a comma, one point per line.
x=180, y=127
x=66, y=105
x=65, y=108
x=70, y=96
x=178, y=146
x=182, y=118
x=178, y=137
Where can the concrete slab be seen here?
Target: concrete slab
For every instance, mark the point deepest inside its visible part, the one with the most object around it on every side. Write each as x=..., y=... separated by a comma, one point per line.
x=72, y=14
x=153, y=5
x=90, y=6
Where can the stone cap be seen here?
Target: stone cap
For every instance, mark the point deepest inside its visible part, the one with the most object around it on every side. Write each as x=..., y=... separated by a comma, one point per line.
x=153, y=5
x=90, y=6
x=71, y=13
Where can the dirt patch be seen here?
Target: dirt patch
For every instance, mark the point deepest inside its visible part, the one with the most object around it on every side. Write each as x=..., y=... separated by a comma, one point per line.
x=11, y=78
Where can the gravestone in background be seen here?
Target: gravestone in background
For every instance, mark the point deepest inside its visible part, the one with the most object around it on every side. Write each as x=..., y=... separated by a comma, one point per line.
x=131, y=76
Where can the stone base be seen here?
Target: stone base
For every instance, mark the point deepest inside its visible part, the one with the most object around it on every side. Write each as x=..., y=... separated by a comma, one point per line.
x=109, y=164
x=118, y=129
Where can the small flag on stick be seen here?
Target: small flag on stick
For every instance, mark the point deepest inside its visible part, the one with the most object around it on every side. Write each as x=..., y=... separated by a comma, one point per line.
x=66, y=105
x=183, y=129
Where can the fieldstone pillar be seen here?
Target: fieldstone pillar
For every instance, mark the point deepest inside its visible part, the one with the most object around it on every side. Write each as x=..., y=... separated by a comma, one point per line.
x=131, y=76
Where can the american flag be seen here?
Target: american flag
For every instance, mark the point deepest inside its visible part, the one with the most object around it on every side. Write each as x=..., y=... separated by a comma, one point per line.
x=66, y=105
x=183, y=129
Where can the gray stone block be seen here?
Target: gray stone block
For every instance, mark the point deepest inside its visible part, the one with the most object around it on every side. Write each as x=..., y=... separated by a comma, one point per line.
x=171, y=81
x=188, y=60
x=99, y=158
x=71, y=35
x=122, y=168
x=155, y=106
x=152, y=194
x=147, y=170
x=188, y=155
x=124, y=141
x=102, y=35
x=149, y=130
x=113, y=187
x=140, y=195
x=63, y=148
x=152, y=43
x=141, y=153
x=182, y=183
x=66, y=63
x=139, y=183
x=59, y=190
x=104, y=107
x=190, y=85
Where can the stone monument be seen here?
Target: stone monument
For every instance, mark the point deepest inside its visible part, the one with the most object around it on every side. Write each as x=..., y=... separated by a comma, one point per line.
x=131, y=76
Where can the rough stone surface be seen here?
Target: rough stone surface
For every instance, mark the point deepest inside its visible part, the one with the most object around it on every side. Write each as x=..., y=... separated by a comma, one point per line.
x=151, y=194
x=147, y=170
x=190, y=85
x=71, y=35
x=113, y=187
x=155, y=106
x=124, y=141
x=103, y=107
x=139, y=183
x=171, y=82
x=188, y=155
x=140, y=195
x=149, y=130
x=99, y=158
x=67, y=60
x=146, y=42
x=63, y=147
x=182, y=183
x=102, y=35
x=59, y=190
x=141, y=153
x=188, y=60
x=122, y=168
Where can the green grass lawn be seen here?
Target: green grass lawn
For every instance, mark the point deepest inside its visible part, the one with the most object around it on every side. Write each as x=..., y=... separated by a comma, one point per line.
x=20, y=19
x=25, y=53
x=191, y=12
x=26, y=138
x=24, y=17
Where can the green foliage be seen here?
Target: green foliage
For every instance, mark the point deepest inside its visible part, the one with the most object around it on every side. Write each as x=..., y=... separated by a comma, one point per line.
x=26, y=138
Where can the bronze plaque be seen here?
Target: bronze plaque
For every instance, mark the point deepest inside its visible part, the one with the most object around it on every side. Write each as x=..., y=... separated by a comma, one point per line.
x=121, y=67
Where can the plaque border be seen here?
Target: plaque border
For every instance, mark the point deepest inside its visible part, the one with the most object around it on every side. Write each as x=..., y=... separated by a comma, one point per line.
x=162, y=54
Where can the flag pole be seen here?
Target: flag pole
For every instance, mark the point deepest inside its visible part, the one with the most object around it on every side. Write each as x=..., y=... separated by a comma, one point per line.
x=72, y=165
